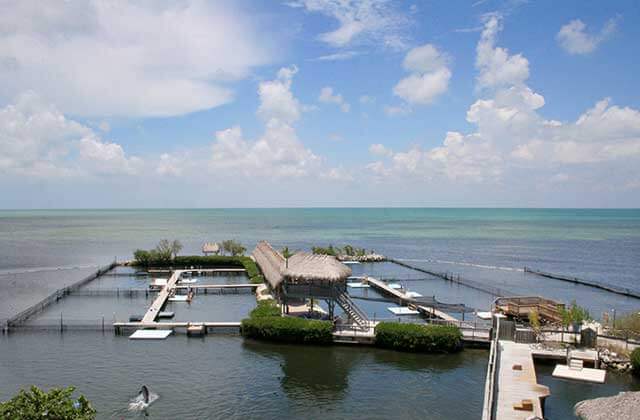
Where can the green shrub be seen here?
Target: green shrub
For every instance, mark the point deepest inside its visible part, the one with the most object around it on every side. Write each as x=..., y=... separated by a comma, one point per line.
x=265, y=308
x=288, y=329
x=146, y=259
x=56, y=404
x=635, y=361
x=418, y=338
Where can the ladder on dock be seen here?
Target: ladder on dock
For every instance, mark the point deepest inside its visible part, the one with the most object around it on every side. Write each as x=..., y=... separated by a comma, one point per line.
x=352, y=310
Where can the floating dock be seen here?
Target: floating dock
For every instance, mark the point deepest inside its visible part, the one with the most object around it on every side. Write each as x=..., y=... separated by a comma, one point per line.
x=579, y=373
x=150, y=335
x=403, y=298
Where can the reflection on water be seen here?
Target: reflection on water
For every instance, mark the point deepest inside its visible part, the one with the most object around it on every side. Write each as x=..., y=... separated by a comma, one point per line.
x=228, y=377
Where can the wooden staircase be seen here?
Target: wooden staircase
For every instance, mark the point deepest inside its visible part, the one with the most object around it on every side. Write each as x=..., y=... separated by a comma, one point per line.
x=351, y=309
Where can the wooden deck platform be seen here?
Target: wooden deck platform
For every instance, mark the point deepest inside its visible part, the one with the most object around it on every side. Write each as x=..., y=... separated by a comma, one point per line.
x=176, y=324
x=518, y=394
x=194, y=286
x=162, y=297
x=402, y=297
x=202, y=270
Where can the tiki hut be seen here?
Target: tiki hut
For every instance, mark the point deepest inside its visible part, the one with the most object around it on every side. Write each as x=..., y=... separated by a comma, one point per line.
x=303, y=275
x=210, y=248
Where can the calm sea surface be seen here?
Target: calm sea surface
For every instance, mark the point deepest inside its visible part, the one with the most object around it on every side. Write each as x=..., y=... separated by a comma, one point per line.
x=228, y=377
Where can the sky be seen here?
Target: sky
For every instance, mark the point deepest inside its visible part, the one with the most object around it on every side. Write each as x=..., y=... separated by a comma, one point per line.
x=312, y=103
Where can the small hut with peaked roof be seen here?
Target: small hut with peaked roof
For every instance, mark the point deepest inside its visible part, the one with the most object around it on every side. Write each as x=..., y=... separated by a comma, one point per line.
x=303, y=275
x=210, y=248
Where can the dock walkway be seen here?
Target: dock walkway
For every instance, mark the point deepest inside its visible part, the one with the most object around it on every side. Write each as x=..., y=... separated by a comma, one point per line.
x=404, y=299
x=518, y=394
x=161, y=299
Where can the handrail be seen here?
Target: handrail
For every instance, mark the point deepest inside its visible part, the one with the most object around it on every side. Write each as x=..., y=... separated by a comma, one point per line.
x=489, y=387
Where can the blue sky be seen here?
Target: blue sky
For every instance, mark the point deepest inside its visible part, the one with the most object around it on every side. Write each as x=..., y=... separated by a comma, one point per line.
x=320, y=103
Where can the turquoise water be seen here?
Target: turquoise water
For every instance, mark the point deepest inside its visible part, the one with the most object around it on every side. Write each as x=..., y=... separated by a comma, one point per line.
x=224, y=376
x=487, y=245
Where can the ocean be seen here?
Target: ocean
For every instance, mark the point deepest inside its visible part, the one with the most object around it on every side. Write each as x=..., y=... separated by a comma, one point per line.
x=491, y=246
x=226, y=376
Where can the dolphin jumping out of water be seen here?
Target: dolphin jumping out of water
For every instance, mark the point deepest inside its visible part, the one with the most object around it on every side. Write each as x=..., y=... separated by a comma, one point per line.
x=144, y=392
x=143, y=399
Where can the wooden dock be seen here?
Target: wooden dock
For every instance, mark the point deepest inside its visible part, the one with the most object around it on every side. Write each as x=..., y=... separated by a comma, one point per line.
x=194, y=286
x=161, y=299
x=176, y=324
x=404, y=299
x=200, y=270
x=518, y=396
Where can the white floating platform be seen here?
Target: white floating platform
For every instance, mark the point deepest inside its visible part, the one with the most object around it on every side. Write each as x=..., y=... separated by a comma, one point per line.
x=358, y=285
x=394, y=286
x=413, y=294
x=584, y=374
x=483, y=315
x=150, y=335
x=179, y=298
x=187, y=281
x=159, y=282
x=402, y=310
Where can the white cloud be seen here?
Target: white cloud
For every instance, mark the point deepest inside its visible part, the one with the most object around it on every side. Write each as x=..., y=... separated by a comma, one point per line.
x=380, y=150
x=511, y=138
x=429, y=78
x=574, y=38
x=328, y=97
x=498, y=68
x=277, y=100
x=339, y=56
x=278, y=152
x=374, y=22
x=170, y=165
x=36, y=139
x=103, y=58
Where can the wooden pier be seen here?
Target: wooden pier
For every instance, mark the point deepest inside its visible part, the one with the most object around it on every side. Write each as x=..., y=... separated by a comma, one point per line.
x=161, y=299
x=199, y=270
x=406, y=300
x=149, y=319
x=197, y=287
x=519, y=396
x=511, y=390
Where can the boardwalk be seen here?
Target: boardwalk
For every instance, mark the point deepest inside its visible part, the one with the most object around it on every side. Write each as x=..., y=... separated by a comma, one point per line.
x=517, y=394
x=161, y=299
x=404, y=299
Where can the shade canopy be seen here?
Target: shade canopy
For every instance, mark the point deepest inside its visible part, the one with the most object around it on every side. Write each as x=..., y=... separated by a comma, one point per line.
x=301, y=267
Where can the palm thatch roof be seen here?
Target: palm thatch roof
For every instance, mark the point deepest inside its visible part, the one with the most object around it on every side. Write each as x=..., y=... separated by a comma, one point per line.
x=270, y=262
x=301, y=267
x=210, y=248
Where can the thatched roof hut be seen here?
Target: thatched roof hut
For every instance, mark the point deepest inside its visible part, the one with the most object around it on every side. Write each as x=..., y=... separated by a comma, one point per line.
x=625, y=405
x=270, y=262
x=305, y=267
x=210, y=248
x=302, y=267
